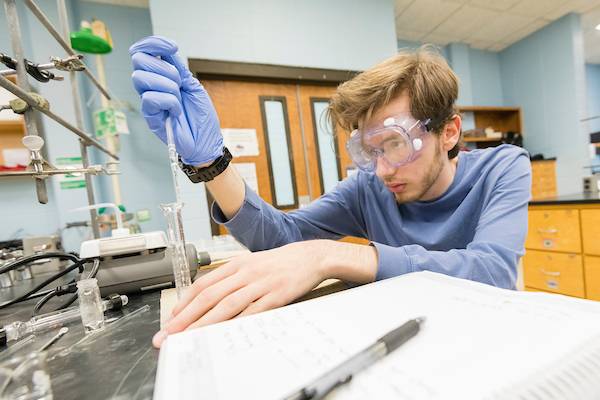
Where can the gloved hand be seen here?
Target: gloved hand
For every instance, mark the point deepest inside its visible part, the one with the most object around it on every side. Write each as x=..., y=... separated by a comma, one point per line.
x=168, y=88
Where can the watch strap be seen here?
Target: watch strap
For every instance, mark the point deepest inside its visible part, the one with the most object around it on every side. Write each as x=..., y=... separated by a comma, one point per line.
x=206, y=174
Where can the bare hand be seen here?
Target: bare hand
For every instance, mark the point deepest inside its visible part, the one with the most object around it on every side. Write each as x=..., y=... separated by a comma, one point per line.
x=248, y=284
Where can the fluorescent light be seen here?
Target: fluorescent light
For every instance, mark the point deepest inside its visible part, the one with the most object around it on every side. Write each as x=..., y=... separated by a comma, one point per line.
x=598, y=27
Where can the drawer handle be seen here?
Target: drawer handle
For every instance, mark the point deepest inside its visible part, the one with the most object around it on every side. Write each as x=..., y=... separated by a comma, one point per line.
x=549, y=273
x=549, y=231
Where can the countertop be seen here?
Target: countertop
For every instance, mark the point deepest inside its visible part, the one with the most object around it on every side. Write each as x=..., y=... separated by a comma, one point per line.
x=117, y=363
x=585, y=198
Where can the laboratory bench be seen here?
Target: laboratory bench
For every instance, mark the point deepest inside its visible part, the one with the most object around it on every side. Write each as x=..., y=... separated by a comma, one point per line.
x=117, y=363
x=562, y=250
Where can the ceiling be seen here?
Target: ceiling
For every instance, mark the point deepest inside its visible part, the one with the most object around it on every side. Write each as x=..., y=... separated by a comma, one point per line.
x=491, y=24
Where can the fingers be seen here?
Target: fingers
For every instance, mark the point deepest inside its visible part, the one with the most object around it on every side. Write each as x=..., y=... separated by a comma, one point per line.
x=145, y=81
x=156, y=106
x=159, y=46
x=157, y=102
x=155, y=46
x=186, y=76
x=204, y=301
x=231, y=305
x=200, y=284
x=267, y=302
x=146, y=62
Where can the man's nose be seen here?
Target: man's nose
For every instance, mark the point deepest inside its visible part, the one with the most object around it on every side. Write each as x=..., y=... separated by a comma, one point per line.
x=384, y=168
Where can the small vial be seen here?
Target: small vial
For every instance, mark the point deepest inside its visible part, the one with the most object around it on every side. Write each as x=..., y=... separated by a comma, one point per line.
x=90, y=305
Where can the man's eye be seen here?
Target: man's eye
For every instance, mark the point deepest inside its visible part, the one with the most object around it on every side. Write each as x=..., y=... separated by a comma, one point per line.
x=395, y=144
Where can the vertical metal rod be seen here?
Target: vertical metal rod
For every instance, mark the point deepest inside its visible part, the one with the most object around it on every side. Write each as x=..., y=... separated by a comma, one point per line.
x=64, y=27
x=90, y=190
x=111, y=141
x=14, y=30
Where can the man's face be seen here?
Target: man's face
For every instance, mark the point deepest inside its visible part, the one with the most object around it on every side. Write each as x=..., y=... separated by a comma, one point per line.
x=412, y=181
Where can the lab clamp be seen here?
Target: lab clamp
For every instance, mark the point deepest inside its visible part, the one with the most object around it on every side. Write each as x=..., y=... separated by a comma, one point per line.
x=29, y=104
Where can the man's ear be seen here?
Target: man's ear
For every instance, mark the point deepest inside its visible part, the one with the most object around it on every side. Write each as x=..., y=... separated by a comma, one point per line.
x=451, y=133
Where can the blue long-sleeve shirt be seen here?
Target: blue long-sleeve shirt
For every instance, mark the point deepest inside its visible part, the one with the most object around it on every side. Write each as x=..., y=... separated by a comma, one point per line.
x=475, y=230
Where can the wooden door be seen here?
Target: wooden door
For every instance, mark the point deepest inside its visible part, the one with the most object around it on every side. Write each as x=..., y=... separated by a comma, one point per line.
x=241, y=105
x=314, y=121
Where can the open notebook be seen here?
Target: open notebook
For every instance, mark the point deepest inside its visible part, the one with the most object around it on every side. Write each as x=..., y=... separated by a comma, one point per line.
x=479, y=342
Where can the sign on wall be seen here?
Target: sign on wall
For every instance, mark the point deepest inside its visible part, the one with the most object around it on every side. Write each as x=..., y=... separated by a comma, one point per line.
x=241, y=142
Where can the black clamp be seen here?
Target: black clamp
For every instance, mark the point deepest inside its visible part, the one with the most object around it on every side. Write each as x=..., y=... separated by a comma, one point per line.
x=31, y=68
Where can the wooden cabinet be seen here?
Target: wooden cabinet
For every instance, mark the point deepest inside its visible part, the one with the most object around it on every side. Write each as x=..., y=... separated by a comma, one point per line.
x=592, y=277
x=590, y=229
x=562, y=250
x=554, y=272
x=554, y=230
x=501, y=119
x=543, y=179
x=12, y=126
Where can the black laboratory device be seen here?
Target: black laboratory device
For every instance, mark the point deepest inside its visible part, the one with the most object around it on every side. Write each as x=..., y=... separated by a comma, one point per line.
x=134, y=263
x=141, y=271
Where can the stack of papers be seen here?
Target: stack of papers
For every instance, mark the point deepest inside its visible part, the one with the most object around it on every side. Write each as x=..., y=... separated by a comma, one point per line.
x=477, y=342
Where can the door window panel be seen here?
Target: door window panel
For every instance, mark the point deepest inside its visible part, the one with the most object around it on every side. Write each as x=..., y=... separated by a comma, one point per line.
x=279, y=152
x=327, y=157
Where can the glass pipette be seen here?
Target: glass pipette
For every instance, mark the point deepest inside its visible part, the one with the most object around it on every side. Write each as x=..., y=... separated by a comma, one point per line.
x=172, y=212
x=40, y=323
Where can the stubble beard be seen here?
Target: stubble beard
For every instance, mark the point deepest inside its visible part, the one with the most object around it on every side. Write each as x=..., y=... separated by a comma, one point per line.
x=430, y=178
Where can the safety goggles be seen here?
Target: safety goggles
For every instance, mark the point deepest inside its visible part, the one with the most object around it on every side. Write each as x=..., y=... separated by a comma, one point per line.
x=398, y=141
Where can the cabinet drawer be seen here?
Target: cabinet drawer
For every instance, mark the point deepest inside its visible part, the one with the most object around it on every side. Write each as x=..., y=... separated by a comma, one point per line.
x=554, y=272
x=554, y=230
x=590, y=229
x=592, y=277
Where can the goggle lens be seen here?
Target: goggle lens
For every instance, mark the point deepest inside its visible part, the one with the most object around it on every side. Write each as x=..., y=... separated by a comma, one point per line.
x=397, y=143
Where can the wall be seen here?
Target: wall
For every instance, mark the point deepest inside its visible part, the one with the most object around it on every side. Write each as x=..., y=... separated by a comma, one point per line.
x=592, y=75
x=478, y=71
x=486, y=82
x=544, y=74
x=336, y=34
x=145, y=175
x=143, y=159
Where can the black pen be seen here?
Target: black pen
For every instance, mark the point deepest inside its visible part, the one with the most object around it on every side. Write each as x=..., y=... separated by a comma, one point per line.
x=343, y=372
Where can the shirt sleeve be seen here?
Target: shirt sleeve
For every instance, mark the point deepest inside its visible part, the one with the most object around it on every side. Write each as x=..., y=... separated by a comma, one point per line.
x=260, y=226
x=498, y=243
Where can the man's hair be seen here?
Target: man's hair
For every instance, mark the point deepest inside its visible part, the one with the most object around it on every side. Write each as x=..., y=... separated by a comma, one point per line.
x=431, y=84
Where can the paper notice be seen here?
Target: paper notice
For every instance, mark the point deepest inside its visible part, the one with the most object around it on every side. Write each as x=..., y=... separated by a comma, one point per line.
x=241, y=142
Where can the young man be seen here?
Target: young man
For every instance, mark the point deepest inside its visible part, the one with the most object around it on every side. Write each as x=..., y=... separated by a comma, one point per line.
x=421, y=203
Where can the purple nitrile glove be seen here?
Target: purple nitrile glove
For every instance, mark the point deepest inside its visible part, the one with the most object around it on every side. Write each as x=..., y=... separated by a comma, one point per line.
x=168, y=88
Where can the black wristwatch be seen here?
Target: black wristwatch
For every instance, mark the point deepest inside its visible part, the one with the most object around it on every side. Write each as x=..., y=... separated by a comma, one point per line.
x=209, y=173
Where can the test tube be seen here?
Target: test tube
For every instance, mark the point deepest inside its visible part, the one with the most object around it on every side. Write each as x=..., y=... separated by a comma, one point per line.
x=181, y=270
x=173, y=159
x=90, y=304
x=40, y=323
x=172, y=212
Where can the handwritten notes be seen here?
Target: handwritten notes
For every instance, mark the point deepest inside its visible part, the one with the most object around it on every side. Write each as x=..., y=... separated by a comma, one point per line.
x=477, y=341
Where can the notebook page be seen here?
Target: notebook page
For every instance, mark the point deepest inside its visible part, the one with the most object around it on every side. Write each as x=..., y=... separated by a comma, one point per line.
x=477, y=340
